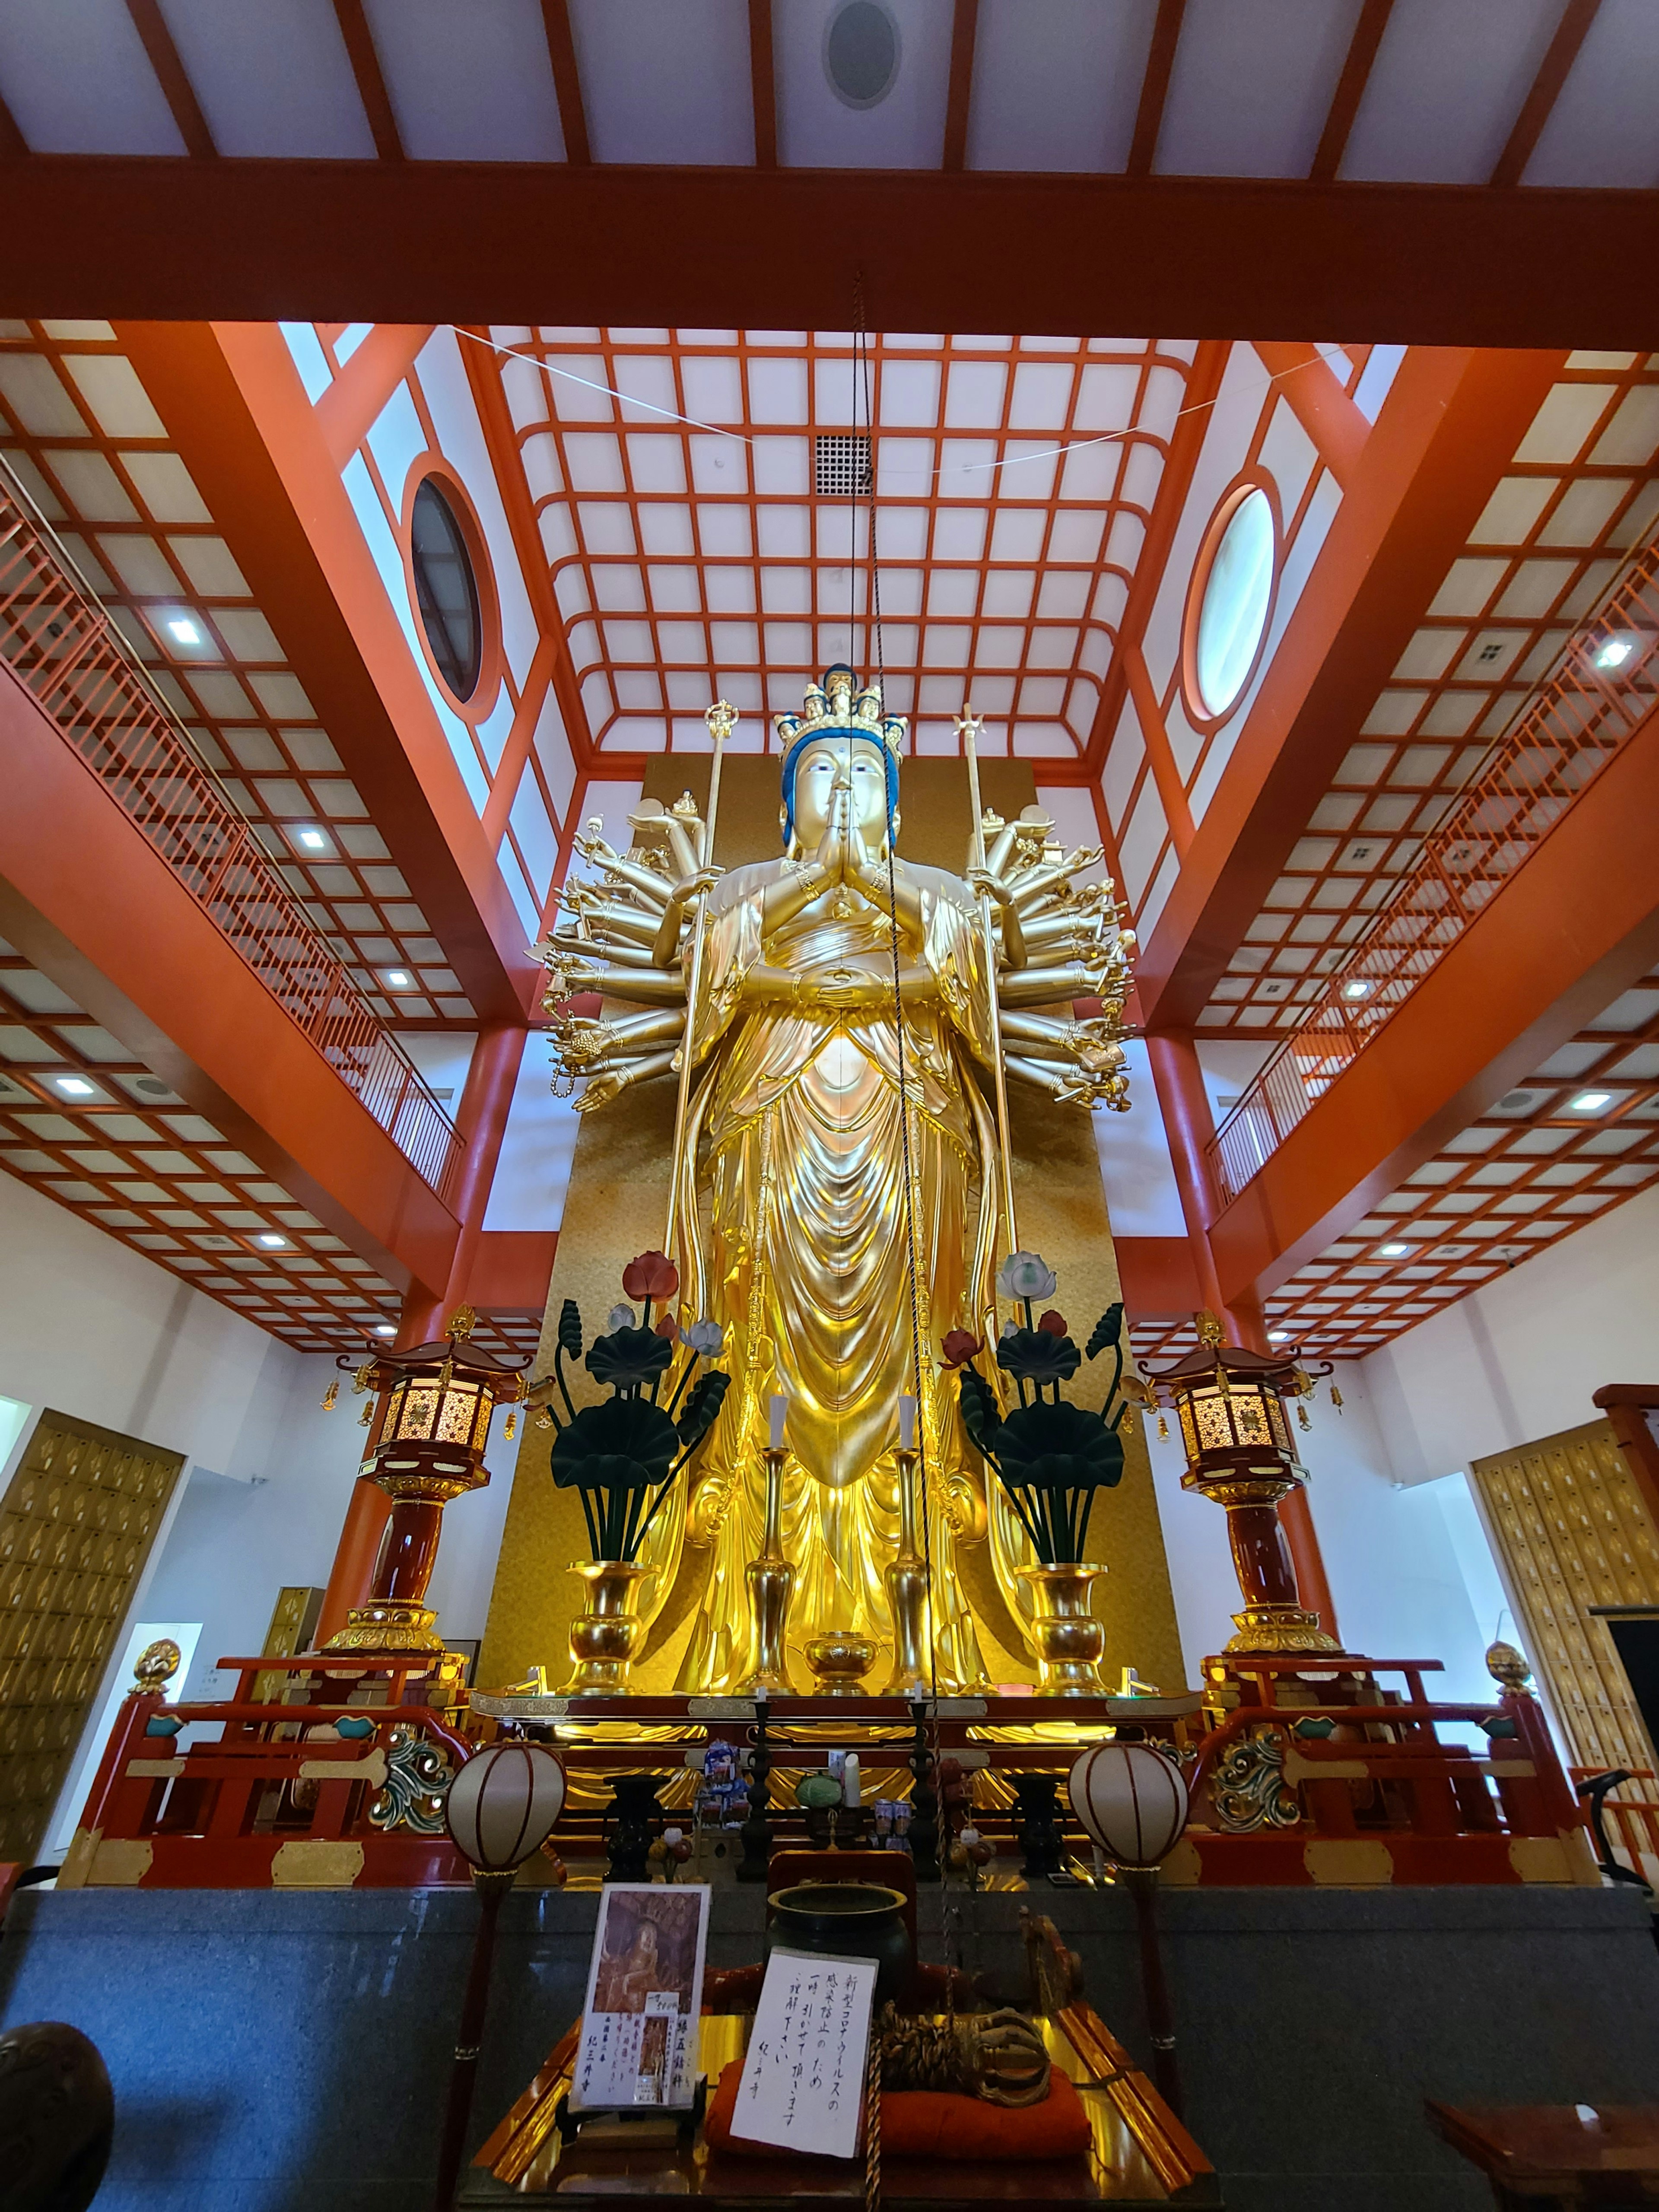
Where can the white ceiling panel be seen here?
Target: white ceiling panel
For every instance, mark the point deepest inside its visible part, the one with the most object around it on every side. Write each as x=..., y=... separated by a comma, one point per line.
x=816, y=127
x=1057, y=82
x=1252, y=86
x=1604, y=127
x=1445, y=89
x=665, y=80
x=274, y=80
x=469, y=85
x=77, y=81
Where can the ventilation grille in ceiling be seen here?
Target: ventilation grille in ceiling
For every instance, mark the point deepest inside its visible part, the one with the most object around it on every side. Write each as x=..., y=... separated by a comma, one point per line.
x=842, y=465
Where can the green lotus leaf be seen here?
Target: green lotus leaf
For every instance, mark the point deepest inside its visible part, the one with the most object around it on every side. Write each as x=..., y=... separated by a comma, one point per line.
x=629, y=1356
x=1034, y=1356
x=1107, y=1329
x=1048, y=1447
x=702, y=1407
x=570, y=1329
x=981, y=1415
x=625, y=1443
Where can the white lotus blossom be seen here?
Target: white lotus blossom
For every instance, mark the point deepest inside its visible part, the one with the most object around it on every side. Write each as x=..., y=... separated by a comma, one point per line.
x=705, y=1338
x=1026, y=1275
x=620, y=1318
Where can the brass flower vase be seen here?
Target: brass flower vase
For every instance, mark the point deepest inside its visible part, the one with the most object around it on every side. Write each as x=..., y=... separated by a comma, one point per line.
x=605, y=1639
x=1066, y=1637
x=771, y=1582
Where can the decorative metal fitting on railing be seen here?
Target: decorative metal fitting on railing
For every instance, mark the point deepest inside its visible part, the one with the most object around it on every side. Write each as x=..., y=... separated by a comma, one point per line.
x=60, y=642
x=1601, y=690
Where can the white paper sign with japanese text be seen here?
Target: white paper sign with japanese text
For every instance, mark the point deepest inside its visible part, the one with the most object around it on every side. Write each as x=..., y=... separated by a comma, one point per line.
x=803, y=2078
x=638, y=2039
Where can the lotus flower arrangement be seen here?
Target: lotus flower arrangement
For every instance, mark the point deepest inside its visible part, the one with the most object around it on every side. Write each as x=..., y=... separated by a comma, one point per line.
x=1051, y=1456
x=618, y=1452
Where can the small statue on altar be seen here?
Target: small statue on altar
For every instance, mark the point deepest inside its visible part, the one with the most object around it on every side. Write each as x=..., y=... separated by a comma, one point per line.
x=840, y=1178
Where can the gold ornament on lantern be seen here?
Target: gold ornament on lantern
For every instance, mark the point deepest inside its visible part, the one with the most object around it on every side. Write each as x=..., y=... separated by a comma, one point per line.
x=331, y=1396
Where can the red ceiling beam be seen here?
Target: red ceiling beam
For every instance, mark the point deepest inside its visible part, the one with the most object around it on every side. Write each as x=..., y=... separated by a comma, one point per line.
x=346, y=410
x=171, y=75
x=1320, y=405
x=371, y=83
x=74, y=874
x=762, y=85
x=1572, y=928
x=1553, y=72
x=1444, y=438
x=445, y=241
x=567, y=87
x=959, y=93
x=234, y=407
x=1155, y=86
x=1350, y=89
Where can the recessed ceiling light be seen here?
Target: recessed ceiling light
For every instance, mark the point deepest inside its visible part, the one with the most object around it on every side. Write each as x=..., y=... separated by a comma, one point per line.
x=74, y=1086
x=1356, y=990
x=386, y=1328
x=1278, y=1336
x=1591, y=1102
x=1615, y=653
x=399, y=979
x=312, y=839
x=186, y=631
x=271, y=1240
x=1394, y=1251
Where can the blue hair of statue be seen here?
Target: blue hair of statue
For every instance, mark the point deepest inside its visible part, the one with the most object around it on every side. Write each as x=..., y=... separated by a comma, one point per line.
x=835, y=730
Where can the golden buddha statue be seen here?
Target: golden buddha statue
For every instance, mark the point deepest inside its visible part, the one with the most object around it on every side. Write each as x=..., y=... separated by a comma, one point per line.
x=848, y=1010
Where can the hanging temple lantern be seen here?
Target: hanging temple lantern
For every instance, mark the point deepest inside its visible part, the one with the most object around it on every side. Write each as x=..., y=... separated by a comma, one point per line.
x=438, y=1398
x=1230, y=1403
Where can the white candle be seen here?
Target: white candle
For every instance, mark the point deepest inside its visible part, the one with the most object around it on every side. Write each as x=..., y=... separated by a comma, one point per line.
x=906, y=1424
x=776, y=1408
x=851, y=1793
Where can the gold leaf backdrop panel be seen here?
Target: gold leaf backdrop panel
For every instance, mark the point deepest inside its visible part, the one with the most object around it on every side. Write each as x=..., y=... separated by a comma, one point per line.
x=1061, y=1207
x=1573, y=1531
x=616, y=1205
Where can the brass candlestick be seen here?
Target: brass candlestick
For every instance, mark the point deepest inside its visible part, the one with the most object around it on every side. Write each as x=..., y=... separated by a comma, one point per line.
x=771, y=1581
x=908, y=1595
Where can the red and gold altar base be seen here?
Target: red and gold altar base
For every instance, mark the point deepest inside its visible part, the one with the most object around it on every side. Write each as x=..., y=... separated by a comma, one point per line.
x=1230, y=1404
x=428, y=1448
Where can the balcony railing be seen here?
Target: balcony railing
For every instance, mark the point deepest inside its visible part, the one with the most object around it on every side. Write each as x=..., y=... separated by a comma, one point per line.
x=62, y=644
x=1602, y=688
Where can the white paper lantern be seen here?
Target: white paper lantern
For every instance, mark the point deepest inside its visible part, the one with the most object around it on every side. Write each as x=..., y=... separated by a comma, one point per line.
x=504, y=1803
x=1131, y=1800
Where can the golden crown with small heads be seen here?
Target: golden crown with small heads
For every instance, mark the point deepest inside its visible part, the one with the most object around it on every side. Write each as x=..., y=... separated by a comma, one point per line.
x=835, y=707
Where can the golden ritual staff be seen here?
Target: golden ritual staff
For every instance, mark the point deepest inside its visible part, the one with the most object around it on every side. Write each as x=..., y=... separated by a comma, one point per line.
x=967, y=727
x=721, y=721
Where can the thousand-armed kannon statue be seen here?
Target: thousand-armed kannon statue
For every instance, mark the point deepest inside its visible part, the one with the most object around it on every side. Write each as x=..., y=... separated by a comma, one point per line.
x=846, y=1011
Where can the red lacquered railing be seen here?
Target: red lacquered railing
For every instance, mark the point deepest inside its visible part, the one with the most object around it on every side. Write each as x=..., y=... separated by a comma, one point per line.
x=1556, y=745
x=63, y=645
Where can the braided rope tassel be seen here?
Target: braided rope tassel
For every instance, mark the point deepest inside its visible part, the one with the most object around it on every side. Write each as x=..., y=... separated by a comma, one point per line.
x=872, y=2125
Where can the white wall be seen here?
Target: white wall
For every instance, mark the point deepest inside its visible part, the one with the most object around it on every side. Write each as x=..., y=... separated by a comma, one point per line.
x=1520, y=1358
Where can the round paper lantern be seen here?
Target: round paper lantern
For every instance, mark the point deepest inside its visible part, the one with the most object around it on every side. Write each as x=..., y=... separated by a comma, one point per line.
x=503, y=1805
x=1131, y=1800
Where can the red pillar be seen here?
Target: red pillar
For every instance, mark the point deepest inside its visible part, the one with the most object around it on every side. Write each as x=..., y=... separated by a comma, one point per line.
x=1185, y=1105
x=482, y=1121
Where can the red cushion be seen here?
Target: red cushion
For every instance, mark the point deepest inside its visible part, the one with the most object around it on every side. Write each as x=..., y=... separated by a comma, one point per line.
x=931, y=2123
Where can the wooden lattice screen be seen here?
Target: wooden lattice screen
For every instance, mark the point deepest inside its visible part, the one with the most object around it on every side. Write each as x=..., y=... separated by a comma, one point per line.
x=77, y=1524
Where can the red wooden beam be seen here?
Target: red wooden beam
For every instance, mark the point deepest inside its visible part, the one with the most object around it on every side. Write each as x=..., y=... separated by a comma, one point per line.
x=963, y=28
x=75, y=873
x=176, y=86
x=1576, y=925
x=566, y=85
x=1155, y=87
x=371, y=84
x=1324, y=409
x=1444, y=438
x=1157, y=1276
x=762, y=84
x=1553, y=72
x=346, y=410
x=1350, y=89
x=235, y=409
x=447, y=242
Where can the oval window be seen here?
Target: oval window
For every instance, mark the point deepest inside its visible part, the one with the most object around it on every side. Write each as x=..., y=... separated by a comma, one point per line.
x=861, y=53
x=1236, y=594
x=445, y=590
